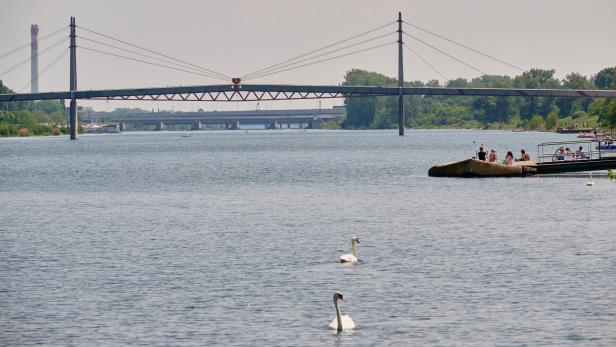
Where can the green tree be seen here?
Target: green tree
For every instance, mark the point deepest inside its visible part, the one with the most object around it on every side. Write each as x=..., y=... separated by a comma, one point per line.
x=536, y=122
x=361, y=111
x=606, y=78
x=457, y=83
x=383, y=119
x=536, y=79
x=552, y=119
x=605, y=108
x=49, y=106
x=568, y=106
x=610, y=113
x=57, y=118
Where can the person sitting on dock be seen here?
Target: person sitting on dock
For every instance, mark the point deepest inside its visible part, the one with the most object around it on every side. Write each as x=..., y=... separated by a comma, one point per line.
x=492, y=158
x=579, y=154
x=508, y=159
x=481, y=155
x=525, y=156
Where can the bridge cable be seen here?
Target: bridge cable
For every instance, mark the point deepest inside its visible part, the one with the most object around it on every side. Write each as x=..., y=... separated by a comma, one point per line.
x=426, y=62
x=29, y=43
x=319, y=49
x=445, y=53
x=148, y=62
x=226, y=77
x=149, y=56
x=465, y=46
x=47, y=67
x=27, y=60
x=331, y=58
x=320, y=55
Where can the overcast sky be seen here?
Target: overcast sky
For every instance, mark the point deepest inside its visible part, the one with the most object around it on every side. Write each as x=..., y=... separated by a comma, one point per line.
x=239, y=37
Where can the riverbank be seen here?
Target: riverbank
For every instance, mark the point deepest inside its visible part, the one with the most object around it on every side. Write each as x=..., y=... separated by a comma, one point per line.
x=57, y=131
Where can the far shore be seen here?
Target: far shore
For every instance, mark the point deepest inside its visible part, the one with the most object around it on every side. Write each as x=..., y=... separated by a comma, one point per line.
x=64, y=132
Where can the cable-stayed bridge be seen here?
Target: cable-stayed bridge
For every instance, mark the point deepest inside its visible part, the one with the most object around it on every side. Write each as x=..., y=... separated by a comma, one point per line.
x=239, y=91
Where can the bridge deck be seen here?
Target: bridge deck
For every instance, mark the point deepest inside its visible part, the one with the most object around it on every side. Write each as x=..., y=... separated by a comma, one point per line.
x=256, y=92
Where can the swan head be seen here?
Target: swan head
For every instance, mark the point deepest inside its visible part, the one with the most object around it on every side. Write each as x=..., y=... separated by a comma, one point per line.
x=338, y=295
x=355, y=239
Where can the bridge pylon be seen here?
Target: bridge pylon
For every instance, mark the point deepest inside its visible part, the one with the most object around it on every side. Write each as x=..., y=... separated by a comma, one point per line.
x=400, y=79
x=73, y=82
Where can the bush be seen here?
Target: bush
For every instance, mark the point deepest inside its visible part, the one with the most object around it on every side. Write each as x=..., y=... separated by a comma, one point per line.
x=8, y=130
x=330, y=125
x=536, y=122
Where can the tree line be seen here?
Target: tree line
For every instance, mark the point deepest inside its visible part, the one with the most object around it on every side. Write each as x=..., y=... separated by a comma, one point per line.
x=495, y=112
x=24, y=118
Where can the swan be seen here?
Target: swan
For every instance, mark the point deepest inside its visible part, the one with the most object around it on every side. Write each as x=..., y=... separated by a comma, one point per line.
x=341, y=322
x=590, y=183
x=351, y=258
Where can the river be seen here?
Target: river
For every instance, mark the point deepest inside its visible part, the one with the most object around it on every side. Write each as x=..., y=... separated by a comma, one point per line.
x=232, y=238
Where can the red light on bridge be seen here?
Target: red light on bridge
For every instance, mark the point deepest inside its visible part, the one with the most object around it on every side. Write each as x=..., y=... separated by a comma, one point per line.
x=236, y=80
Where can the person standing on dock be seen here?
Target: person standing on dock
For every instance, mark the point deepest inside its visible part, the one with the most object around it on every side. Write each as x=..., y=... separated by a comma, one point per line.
x=482, y=154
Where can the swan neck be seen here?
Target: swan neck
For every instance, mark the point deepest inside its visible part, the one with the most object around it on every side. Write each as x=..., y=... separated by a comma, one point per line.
x=338, y=319
x=354, y=249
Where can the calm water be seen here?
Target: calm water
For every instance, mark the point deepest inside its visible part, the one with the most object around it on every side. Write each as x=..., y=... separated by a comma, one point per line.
x=232, y=238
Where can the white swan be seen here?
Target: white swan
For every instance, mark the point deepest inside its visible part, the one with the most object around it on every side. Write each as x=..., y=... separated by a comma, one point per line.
x=341, y=322
x=351, y=258
x=590, y=183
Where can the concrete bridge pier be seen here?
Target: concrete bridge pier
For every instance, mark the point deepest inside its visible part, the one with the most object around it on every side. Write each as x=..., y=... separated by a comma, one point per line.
x=235, y=125
x=273, y=125
x=315, y=123
x=122, y=126
x=160, y=126
x=196, y=125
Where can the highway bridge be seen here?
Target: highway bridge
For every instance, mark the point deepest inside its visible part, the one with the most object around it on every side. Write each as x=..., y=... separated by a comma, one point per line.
x=271, y=119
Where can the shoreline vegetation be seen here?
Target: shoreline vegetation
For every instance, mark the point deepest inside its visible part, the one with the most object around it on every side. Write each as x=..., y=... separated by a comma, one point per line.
x=50, y=117
x=486, y=112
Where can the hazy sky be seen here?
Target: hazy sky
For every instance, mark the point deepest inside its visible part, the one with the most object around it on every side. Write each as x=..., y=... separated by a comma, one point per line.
x=238, y=37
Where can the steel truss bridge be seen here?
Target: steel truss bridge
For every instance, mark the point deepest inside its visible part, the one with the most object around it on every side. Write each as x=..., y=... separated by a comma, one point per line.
x=267, y=92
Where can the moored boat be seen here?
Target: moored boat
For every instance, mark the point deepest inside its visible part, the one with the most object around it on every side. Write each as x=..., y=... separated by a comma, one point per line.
x=586, y=135
x=479, y=168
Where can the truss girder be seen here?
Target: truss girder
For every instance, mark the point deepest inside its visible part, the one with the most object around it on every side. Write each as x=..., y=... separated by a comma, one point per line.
x=240, y=96
x=253, y=92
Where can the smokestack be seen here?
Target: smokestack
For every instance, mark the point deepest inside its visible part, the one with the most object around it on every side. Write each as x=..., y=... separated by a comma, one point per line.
x=34, y=58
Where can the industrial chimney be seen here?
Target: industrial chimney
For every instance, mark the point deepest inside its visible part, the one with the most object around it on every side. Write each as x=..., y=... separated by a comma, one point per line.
x=34, y=58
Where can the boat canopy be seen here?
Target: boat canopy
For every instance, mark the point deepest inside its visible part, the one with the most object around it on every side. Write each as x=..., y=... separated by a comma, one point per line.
x=591, y=149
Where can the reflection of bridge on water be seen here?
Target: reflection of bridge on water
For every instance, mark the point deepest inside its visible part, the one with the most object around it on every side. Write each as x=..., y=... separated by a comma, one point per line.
x=269, y=119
